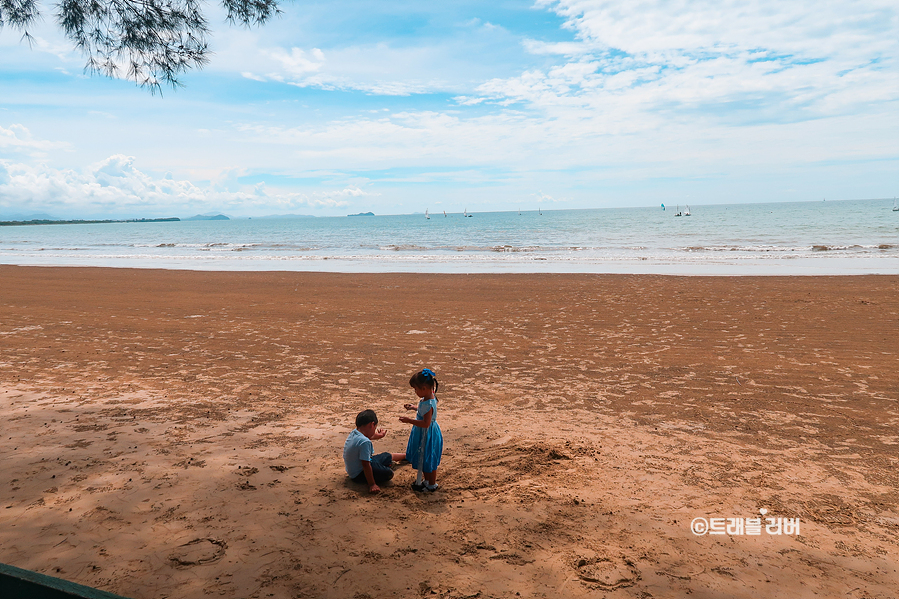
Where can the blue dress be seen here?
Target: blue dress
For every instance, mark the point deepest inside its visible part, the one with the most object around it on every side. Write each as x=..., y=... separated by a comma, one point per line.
x=433, y=446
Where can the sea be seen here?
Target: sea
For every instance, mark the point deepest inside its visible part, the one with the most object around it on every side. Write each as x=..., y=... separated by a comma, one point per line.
x=802, y=238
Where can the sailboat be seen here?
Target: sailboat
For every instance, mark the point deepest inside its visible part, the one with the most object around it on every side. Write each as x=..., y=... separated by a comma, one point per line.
x=444, y=214
x=465, y=213
x=687, y=211
x=895, y=206
x=539, y=212
x=427, y=216
x=678, y=213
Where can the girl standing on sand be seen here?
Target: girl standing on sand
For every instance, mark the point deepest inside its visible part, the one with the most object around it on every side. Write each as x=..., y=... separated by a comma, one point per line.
x=425, y=441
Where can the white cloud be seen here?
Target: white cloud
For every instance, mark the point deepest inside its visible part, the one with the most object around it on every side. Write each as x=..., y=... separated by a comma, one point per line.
x=477, y=23
x=45, y=37
x=17, y=138
x=114, y=186
x=254, y=77
x=469, y=101
x=543, y=197
x=734, y=60
x=803, y=27
x=562, y=48
x=297, y=62
x=378, y=69
x=60, y=48
x=516, y=150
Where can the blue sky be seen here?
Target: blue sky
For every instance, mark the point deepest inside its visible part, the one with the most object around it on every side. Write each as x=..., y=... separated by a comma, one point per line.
x=394, y=107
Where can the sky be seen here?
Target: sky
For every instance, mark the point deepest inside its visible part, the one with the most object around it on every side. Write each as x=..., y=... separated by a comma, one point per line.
x=395, y=107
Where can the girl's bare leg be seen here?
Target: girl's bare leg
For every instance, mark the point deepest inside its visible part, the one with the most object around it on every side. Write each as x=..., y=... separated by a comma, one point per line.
x=431, y=477
x=398, y=457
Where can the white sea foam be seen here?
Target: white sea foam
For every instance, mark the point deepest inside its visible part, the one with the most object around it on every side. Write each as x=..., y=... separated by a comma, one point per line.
x=808, y=238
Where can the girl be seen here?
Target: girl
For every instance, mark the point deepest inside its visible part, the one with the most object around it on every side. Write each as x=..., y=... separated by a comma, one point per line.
x=425, y=441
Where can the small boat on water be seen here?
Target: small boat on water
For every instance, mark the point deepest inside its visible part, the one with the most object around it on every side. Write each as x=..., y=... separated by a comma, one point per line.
x=895, y=206
x=465, y=213
x=687, y=211
x=678, y=213
x=427, y=216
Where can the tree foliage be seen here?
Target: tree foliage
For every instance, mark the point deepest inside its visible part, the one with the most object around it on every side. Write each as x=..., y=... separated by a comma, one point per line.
x=150, y=42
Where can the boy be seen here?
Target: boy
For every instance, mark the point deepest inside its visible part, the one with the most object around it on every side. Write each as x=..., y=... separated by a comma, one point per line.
x=361, y=466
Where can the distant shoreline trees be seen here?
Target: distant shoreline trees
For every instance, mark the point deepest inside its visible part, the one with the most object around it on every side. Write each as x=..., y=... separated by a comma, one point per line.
x=150, y=42
x=44, y=221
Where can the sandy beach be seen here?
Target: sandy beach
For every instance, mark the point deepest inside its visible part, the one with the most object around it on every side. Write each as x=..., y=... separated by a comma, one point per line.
x=175, y=434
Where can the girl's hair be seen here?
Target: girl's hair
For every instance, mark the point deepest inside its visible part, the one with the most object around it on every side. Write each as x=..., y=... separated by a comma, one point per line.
x=424, y=378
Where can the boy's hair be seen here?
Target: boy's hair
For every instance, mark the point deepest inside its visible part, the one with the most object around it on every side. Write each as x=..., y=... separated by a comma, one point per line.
x=366, y=417
x=424, y=378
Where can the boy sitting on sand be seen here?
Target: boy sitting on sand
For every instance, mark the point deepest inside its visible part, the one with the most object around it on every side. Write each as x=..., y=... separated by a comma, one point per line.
x=361, y=466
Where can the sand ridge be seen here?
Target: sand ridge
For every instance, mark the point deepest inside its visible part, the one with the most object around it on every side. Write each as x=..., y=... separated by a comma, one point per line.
x=178, y=434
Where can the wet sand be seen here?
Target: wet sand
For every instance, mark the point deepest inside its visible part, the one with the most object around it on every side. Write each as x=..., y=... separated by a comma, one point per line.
x=179, y=434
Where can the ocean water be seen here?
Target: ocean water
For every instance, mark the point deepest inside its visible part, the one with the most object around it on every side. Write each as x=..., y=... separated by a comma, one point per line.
x=836, y=237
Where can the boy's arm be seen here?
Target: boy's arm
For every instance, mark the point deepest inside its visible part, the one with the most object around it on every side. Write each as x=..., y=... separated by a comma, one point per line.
x=370, y=478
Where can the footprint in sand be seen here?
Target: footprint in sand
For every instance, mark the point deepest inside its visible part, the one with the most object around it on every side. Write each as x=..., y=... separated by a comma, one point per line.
x=198, y=552
x=682, y=571
x=607, y=572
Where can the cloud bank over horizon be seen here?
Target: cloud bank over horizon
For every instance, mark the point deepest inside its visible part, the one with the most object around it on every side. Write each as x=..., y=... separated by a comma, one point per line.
x=115, y=187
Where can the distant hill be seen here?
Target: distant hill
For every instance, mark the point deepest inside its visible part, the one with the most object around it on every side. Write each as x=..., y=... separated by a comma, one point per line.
x=362, y=214
x=208, y=217
x=31, y=216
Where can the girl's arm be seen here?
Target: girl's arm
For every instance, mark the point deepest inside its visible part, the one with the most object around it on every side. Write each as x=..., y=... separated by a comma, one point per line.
x=423, y=423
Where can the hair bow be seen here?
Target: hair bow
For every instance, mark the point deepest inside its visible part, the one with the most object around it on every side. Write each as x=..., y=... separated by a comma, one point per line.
x=428, y=372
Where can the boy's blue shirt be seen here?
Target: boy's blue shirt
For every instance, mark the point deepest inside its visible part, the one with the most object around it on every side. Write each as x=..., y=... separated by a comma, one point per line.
x=357, y=449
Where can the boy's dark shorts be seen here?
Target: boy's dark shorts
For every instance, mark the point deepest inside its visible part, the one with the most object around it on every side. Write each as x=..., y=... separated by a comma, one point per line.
x=380, y=468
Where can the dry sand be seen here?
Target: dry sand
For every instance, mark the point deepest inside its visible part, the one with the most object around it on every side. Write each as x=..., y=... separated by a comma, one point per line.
x=178, y=434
